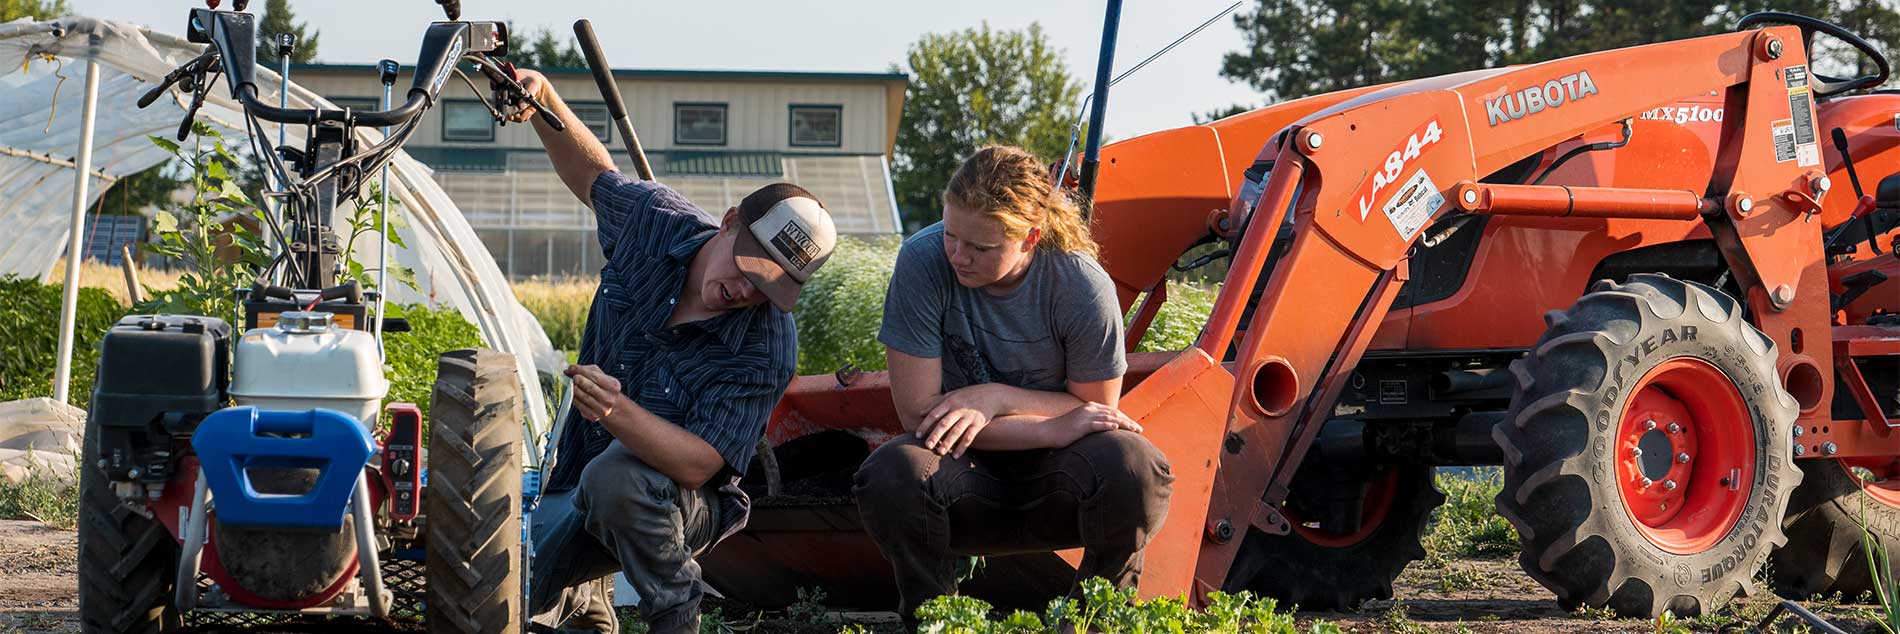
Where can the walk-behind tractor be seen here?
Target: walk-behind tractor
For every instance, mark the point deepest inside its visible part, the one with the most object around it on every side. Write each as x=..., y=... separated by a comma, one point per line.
x=252, y=475
x=1655, y=284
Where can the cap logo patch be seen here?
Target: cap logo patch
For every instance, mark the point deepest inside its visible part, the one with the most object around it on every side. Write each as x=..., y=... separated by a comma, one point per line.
x=795, y=246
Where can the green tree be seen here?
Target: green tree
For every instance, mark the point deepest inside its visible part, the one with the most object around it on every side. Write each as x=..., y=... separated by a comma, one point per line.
x=1296, y=48
x=543, y=50
x=973, y=88
x=278, y=18
x=11, y=10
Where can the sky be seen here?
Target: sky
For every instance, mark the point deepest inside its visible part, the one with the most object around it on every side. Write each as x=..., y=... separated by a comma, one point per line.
x=799, y=35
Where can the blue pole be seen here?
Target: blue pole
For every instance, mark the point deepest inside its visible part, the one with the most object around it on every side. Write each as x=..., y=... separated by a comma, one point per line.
x=1104, y=69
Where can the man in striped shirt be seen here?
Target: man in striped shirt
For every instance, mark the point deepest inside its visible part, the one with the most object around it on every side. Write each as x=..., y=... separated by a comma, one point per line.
x=688, y=345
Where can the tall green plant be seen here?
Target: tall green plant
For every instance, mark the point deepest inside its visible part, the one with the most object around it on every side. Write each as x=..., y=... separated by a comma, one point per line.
x=365, y=222
x=220, y=254
x=1886, y=588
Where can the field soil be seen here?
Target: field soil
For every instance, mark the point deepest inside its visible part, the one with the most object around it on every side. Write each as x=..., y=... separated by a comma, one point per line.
x=39, y=594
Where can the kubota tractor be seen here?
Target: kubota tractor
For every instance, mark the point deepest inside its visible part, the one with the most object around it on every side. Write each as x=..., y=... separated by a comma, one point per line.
x=1654, y=284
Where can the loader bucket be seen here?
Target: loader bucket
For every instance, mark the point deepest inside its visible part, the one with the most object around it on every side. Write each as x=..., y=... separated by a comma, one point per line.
x=808, y=534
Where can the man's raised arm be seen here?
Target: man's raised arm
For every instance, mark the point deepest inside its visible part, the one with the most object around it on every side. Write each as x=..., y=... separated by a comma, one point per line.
x=577, y=155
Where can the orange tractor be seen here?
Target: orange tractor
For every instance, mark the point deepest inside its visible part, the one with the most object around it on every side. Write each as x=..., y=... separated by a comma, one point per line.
x=1636, y=279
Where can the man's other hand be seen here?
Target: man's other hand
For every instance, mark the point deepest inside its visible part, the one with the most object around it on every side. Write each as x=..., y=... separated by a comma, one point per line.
x=538, y=87
x=596, y=394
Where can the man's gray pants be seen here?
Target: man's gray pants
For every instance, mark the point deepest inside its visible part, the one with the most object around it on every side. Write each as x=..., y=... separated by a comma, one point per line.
x=623, y=517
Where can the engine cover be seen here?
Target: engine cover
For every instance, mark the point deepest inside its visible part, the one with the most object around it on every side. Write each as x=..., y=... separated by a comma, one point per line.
x=159, y=375
x=305, y=362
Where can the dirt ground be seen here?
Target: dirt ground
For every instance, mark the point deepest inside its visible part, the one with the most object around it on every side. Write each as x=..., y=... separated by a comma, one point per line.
x=38, y=594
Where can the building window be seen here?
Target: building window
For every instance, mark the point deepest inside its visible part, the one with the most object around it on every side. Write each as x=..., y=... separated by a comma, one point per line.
x=699, y=124
x=817, y=126
x=596, y=119
x=467, y=121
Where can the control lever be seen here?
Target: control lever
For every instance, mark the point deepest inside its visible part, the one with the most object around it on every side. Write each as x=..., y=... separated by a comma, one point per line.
x=451, y=8
x=506, y=82
x=191, y=113
x=188, y=68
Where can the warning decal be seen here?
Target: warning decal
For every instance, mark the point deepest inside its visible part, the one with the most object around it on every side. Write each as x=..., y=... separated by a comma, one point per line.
x=1415, y=203
x=1784, y=140
x=1801, y=109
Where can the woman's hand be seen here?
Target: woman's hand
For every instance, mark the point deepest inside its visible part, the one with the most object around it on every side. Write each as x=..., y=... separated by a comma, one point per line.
x=1088, y=419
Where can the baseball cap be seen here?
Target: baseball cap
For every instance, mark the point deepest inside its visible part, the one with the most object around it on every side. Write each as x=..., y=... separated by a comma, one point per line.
x=782, y=246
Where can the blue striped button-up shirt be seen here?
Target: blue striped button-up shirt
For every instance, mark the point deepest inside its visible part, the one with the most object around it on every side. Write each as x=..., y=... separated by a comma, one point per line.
x=717, y=378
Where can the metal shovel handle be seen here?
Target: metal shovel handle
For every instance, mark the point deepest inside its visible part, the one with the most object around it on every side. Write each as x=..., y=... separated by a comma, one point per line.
x=610, y=92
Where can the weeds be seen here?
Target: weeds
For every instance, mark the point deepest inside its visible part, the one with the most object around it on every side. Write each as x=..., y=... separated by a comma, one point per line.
x=1468, y=524
x=1460, y=578
x=1667, y=623
x=1885, y=587
x=43, y=497
x=1598, y=614
x=1108, y=610
x=1397, y=621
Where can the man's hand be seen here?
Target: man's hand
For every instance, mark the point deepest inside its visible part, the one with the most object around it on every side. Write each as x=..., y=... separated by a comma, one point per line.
x=596, y=394
x=1088, y=419
x=538, y=87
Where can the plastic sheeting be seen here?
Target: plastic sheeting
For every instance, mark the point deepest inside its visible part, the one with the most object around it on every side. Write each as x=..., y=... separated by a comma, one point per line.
x=39, y=135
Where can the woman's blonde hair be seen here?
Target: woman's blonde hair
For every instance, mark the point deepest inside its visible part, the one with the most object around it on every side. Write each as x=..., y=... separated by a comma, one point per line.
x=1011, y=185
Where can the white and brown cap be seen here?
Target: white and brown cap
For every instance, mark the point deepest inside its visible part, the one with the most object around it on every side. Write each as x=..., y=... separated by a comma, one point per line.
x=783, y=244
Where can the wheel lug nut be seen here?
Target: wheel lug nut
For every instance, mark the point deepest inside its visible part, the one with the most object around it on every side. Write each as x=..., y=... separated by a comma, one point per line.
x=1669, y=485
x=1675, y=428
x=1649, y=425
x=1682, y=458
x=1636, y=452
x=1799, y=450
x=1647, y=482
x=1828, y=449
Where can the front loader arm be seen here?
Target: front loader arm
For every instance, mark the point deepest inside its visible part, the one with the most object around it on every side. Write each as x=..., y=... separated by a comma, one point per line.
x=1366, y=177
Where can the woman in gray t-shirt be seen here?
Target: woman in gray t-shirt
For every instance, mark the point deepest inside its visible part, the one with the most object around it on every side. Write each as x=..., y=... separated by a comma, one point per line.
x=1005, y=345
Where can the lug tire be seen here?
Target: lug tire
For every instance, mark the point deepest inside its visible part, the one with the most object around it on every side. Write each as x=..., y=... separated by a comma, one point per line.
x=1298, y=571
x=1824, y=556
x=473, y=499
x=126, y=560
x=1563, y=487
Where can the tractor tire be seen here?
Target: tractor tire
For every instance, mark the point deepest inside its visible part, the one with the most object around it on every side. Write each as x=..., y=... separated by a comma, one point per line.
x=127, y=560
x=1319, y=570
x=1825, y=519
x=473, y=499
x=1648, y=457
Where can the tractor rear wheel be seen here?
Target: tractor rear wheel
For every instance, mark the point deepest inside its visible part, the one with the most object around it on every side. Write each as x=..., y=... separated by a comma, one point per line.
x=126, y=560
x=1318, y=569
x=1835, y=502
x=473, y=499
x=1648, y=458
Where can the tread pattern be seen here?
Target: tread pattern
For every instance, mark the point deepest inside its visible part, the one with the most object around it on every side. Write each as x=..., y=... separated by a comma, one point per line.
x=473, y=499
x=1823, y=556
x=1314, y=577
x=126, y=560
x=1577, y=539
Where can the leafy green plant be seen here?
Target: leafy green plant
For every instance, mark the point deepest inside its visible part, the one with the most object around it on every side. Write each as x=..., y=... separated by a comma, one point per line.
x=842, y=306
x=366, y=219
x=220, y=254
x=29, y=315
x=1180, y=319
x=410, y=357
x=42, y=497
x=1886, y=588
x=1468, y=524
x=1669, y=623
x=1104, y=608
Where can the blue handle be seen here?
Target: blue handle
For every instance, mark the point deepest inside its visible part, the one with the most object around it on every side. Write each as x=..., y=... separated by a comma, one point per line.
x=230, y=441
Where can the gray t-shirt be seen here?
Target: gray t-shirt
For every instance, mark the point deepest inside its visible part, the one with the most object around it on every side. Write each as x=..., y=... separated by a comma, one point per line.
x=1062, y=324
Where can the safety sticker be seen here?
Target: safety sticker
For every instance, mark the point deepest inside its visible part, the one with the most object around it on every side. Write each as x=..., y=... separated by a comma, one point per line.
x=1801, y=109
x=1415, y=203
x=1784, y=140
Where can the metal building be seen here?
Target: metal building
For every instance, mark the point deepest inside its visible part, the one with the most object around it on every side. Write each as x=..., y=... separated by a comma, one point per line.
x=713, y=135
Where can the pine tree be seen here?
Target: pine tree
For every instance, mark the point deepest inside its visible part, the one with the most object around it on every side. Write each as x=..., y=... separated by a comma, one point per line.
x=278, y=18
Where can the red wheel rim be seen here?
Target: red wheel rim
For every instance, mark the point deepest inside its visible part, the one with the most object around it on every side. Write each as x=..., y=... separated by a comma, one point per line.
x=1685, y=455
x=1379, y=498
x=1885, y=485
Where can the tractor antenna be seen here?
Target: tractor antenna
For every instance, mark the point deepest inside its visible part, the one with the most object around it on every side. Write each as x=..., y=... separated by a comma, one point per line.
x=1104, y=68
